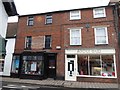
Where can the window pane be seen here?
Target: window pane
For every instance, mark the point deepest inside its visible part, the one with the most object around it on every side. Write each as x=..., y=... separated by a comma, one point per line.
x=83, y=65
x=48, y=19
x=108, y=68
x=74, y=15
x=101, y=40
x=48, y=41
x=15, y=64
x=95, y=65
x=33, y=67
x=28, y=42
x=30, y=21
x=75, y=37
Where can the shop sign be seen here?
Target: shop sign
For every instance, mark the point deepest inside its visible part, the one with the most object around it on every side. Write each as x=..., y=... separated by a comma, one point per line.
x=89, y=51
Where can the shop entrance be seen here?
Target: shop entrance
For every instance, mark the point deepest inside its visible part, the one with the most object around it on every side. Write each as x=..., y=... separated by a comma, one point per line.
x=52, y=66
x=70, y=66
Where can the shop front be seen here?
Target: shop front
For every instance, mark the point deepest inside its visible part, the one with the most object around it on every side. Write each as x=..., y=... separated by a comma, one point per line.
x=34, y=65
x=90, y=65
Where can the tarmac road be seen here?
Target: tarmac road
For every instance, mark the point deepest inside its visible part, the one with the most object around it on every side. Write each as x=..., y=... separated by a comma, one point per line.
x=19, y=86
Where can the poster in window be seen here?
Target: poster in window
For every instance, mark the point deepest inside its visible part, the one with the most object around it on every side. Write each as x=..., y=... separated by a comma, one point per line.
x=17, y=63
x=33, y=66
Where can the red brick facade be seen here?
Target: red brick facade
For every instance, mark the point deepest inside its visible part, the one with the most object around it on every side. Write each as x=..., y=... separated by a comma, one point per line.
x=59, y=30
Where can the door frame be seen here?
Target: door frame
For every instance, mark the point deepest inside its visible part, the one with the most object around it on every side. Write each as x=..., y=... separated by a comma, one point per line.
x=74, y=75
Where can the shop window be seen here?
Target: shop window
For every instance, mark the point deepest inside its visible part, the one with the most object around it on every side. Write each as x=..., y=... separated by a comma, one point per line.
x=99, y=12
x=28, y=42
x=48, y=40
x=15, y=64
x=96, y=65
x=101, y=36
x=33, y=65
x=75, y=15
x=108, y=65
x=83, y=65
x=48, y=19
x=75, y=37
x=30, y=21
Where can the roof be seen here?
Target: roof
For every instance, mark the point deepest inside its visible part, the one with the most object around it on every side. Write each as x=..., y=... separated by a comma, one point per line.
x=10, y=7
x=11, y=30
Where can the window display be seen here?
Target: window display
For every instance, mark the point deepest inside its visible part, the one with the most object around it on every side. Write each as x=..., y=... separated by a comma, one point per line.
x=15, y=63
x=96, y=65
x=33, y=65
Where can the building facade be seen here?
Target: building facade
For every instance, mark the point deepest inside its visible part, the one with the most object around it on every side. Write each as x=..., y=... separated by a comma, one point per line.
x=75, y=45
x=6, y=9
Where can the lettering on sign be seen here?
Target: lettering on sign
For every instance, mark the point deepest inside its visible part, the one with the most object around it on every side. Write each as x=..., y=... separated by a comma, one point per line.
x=89, y=51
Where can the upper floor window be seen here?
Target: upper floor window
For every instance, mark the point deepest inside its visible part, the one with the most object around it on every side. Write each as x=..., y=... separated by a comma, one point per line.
x=30, y=21
x=48, y=41
x=74, y=15
x=48, y=19
x=28, y=42
x=99, y=12
x=101, y=36
x=75, y=36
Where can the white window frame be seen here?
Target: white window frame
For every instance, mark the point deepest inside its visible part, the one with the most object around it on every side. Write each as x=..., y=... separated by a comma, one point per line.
x=99, y=16
x=73, y=16
x=76, y=36
x=106, y=34
x=30, y=19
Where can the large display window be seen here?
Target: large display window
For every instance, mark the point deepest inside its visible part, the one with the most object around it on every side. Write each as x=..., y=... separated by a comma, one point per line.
x=33, y=65
x=96, y=65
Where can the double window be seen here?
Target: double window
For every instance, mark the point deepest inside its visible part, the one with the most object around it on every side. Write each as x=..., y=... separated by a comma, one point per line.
x=46, y=41
x=74, y=15
x=101, y=36
x=75, y=36
x=48, y=19
x=99, y=12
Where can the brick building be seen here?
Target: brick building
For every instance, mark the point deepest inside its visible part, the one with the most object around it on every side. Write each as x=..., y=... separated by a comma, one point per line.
x=75, y=45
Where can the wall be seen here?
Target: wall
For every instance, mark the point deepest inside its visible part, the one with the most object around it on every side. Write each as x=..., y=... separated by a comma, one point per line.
x=9, y=53
x=3, y=20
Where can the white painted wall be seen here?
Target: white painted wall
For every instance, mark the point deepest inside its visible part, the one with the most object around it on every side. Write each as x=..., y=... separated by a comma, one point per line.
x=10, y=46
x=3, y=20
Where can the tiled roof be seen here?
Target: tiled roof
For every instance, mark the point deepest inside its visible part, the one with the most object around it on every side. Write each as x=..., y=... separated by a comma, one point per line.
x=11, y=30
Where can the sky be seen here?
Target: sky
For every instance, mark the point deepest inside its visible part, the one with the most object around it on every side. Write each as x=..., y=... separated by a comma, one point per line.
x=41, y=6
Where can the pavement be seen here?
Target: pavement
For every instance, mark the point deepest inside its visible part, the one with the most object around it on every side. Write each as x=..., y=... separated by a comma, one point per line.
x=61, y=83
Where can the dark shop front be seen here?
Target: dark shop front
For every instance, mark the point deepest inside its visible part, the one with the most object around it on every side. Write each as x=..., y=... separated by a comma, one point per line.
x=34, y=65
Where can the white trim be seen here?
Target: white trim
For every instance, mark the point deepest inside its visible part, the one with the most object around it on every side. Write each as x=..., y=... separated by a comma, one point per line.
x=95, y=29
x=115, y=66
x=75, y=18
x=94, y=12
x=90, y=51
x=79, y=36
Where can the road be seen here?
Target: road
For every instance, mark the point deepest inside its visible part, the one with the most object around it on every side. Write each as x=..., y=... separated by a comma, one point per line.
x=18, y=86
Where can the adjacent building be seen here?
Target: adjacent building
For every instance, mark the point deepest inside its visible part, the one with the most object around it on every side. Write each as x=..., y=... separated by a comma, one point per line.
x=74, y=45
x=7, y=9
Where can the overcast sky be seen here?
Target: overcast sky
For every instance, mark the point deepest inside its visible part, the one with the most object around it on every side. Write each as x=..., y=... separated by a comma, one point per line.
x=41, y=6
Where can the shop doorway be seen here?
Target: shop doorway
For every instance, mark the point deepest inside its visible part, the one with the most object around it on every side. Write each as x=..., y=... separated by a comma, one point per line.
x=70, y=66
x=52, y=66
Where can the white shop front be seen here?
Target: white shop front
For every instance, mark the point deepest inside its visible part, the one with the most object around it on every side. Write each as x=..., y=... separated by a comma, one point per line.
x=91, y=62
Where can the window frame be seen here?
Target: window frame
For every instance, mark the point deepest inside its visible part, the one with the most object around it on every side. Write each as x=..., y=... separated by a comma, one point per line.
x=75, y=18
x=48, y=17
x=30, y=21
x=80, y=37
x=27, y=42
x=99, y=16
x=106, y=35
x=50, y=43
